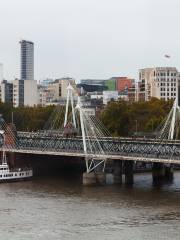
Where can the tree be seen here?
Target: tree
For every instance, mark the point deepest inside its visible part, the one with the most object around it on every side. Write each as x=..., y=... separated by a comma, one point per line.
x=122, y=118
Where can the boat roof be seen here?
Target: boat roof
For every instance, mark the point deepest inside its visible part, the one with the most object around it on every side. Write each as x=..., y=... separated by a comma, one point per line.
x=4, y=165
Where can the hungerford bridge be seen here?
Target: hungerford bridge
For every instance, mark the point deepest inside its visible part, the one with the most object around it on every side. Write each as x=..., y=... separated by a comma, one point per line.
x=75, y=132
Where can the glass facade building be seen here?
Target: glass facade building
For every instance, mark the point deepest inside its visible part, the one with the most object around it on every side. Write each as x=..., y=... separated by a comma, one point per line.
x=27, y=60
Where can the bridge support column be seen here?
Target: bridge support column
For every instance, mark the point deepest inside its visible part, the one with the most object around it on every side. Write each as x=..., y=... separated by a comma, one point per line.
x=158, y=172
x=89, y=179
x=94, y=178
x=109, y=172
x=117, y=172
x=128, y=171
x=169, y=174
x=162, y=172
x=113, y=172
x=100, y=178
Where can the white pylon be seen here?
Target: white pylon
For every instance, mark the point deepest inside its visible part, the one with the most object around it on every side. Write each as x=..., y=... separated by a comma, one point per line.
x=173, y=120
x=79, y=108
x=70, y=91
x=91, y=163
x=171, y=123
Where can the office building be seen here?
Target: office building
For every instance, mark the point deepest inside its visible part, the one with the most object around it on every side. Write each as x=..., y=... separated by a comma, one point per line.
x=123, y=84
x=159, y=82
x=55, y=92
x=46, y=82
x=120, y=84
x=27, y=60
x=109, y=96
x=25, y=93
x=6, y=92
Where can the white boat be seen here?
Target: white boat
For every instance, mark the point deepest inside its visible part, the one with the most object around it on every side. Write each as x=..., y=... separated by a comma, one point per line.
x=12, y=175
x=16, y=174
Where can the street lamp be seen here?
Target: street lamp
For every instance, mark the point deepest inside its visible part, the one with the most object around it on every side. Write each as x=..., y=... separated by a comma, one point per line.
x=152, y=125
x=136, y=126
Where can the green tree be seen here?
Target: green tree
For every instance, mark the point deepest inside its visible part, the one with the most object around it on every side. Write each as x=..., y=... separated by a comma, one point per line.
x=122, y=118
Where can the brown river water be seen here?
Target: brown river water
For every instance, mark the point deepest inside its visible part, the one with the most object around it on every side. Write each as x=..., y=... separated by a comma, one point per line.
x=51, y=208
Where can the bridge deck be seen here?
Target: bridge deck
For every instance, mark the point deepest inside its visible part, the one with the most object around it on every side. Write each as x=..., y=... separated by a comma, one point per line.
x=112, y=148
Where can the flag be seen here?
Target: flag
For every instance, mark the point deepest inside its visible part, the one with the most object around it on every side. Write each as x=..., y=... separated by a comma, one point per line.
x=167, y=56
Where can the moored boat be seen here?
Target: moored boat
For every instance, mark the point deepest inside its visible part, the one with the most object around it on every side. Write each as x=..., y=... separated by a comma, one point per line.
x=8, y=174
x=15, y=174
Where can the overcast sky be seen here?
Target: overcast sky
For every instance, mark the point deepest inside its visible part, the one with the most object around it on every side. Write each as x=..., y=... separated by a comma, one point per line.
x=90, y=38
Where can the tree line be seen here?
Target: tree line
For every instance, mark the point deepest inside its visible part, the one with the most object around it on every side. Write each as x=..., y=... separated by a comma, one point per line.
x=26, y=118
x=121, y=118
x=125, y=119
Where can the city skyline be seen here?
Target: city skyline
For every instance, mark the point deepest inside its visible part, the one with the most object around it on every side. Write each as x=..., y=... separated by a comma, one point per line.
x=90, y=39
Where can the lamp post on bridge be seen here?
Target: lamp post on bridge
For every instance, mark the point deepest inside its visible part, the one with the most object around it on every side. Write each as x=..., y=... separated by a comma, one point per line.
x=136, y=126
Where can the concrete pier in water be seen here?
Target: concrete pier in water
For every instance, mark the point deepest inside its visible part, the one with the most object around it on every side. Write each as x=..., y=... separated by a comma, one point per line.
x=113, y=175
x=162, y=172
x=129, y=172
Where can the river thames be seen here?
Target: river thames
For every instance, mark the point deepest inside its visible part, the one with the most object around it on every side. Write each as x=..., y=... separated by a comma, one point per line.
x=61, y=208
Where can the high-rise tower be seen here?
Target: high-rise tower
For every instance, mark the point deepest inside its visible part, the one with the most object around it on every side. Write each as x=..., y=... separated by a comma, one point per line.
x=1, y=72
x=27, y=60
